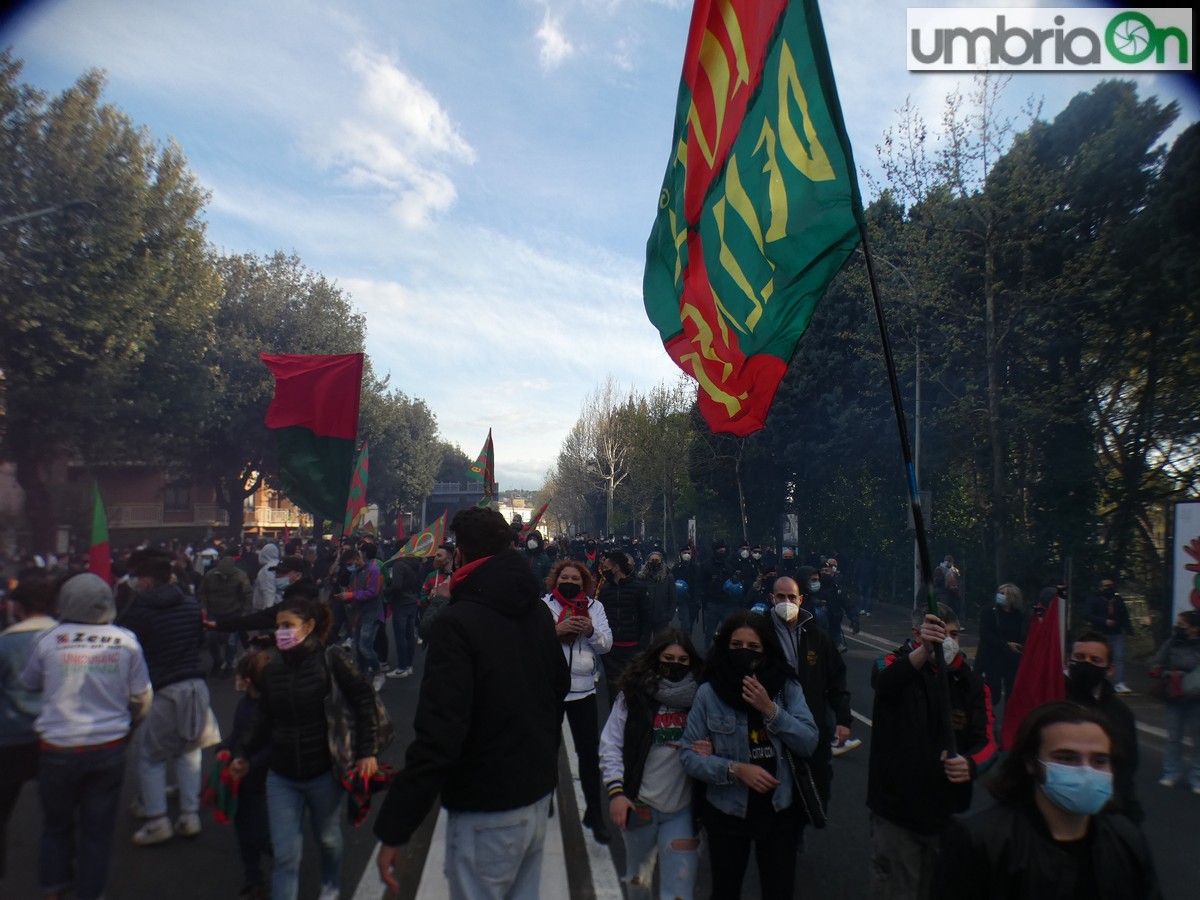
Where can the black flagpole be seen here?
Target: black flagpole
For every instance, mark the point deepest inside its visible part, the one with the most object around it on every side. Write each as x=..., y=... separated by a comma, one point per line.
x=910, y=472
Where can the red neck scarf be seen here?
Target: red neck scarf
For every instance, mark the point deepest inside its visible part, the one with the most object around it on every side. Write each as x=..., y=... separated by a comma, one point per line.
x=459, y=575
x=576, y=607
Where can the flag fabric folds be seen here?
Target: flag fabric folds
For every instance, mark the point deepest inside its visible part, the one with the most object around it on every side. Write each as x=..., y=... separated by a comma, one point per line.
x=423, y=543
x=759, y=207
x=314, y=415
x=484, y=469
x=1040, y=677
x=99, y=551
x=356, y=502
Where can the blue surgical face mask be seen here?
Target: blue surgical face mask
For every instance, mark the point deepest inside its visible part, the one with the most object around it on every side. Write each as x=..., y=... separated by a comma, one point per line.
x=1077, y=789
x=281, y=583
x=351, y=569
x=814, y=586
x=1000, y=598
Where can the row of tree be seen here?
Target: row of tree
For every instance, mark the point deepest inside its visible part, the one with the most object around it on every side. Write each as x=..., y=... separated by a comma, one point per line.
x=127, y=338
x=1042, y=297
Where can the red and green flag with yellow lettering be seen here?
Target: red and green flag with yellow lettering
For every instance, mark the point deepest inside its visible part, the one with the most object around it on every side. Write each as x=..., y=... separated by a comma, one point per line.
x=314, y=415
x=484, y=469
x=758, y=210
x=356, y=502
x=99, y=551
x=423, y=543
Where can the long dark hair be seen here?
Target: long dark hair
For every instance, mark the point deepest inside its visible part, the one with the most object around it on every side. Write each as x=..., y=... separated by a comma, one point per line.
x=302, y=601
x=1017, y=776
x=718, y=658
x=641, y=673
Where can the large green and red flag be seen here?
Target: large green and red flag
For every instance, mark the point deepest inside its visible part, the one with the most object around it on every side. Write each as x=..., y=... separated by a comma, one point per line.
x=356, y=502
x=423, y=543
x=758, y=208
x=315, y=419
x=99, y=551
x=484, y=469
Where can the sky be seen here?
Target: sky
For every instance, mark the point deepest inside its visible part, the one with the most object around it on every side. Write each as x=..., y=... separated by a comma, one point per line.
x=479, y=176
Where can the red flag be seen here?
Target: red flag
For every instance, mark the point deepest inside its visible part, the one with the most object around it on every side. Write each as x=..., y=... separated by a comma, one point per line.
x=400, y=526
x=533, y=523
x=356, y=502
x=1040, y=677
x=99, y=551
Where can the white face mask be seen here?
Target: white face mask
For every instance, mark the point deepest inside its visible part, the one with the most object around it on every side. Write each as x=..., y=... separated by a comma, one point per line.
x=743, y=553
x=787, y=611
x=532, y=545
x=950, y=649
x=686, y=557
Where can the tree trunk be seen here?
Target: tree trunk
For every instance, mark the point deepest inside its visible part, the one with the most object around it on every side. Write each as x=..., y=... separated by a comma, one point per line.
x=995, y=426
x=34, y=478
x=737, y=474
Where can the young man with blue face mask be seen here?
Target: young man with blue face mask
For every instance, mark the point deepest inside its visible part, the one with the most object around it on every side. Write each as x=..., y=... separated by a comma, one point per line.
x=1050, y=836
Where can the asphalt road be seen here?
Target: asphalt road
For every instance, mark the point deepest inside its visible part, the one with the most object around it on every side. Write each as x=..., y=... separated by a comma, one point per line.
x=835, y=862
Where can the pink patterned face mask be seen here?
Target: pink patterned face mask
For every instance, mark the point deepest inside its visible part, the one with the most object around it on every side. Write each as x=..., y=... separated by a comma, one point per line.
x=287, y=638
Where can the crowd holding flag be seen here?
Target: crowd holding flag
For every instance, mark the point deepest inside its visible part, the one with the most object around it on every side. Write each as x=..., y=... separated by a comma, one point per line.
x=423, y=543
x=757, y=211
x=356, y=502
x=314, y=415
x=1040, y=676
x=537, y=517
x=99, y=551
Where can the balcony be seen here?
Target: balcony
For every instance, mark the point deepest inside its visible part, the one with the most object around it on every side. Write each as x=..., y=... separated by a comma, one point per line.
x=151, y=515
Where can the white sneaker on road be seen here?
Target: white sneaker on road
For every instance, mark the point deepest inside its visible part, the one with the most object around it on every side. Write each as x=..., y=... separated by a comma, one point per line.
x=1122, y=688
x=156, y=831
x=187, y=825
x=378, y=681
x=400, y=673
x=850, y=744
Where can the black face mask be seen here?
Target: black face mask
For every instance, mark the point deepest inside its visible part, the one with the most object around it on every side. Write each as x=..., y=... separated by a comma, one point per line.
x=655, y=564
x=1086, y=675
x=569, y=590
x=674, y=671
x=744, y=661
x=1180, y=633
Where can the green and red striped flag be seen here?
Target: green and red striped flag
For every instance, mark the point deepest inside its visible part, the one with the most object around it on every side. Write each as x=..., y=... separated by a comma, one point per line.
x=423, y=543
x=356, y=502
x=758, y=210
x=314, y=415
x=537, y=517
x=484, y=469
x=99, y=551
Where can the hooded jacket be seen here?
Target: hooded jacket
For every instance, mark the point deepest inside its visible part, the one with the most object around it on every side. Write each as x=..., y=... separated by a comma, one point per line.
x=489, y=716
x=168, y=626
x=264, y=582
x=225, y=590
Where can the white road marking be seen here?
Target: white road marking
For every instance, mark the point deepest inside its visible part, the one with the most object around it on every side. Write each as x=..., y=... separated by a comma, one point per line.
x=605, y=880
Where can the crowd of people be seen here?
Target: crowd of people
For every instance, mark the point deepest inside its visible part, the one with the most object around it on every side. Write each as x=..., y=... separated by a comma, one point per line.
x=706, y=699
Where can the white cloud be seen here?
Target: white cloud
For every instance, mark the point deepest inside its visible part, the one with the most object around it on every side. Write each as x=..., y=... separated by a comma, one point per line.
x=554, y=46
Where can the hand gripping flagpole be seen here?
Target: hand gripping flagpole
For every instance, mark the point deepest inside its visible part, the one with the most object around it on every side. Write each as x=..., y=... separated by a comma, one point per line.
x=914, y=496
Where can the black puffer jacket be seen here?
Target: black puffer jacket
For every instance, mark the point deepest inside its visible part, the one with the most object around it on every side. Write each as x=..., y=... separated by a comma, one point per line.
x=169, y=627
x=489, y=717
x=291, y=712
x=627, y=605
x=1006, y=852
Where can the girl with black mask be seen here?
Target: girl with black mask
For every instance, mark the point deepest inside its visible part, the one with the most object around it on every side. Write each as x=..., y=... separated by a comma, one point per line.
x=752, y=709
x=650, y=795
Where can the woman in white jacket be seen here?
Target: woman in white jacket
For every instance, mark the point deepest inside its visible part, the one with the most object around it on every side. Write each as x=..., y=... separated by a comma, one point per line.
x=582, y=627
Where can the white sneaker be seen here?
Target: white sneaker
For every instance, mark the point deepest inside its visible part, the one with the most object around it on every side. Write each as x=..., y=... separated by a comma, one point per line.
x=850, y=744
x=156, y=831
x=400, y=673
x=1122, y=688
x=328, y=892
x=187, y=825
x=378, y=681
x=1166, y=782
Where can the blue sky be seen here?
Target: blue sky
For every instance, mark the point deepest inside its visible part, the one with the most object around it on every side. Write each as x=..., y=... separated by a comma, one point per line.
x=479, y=175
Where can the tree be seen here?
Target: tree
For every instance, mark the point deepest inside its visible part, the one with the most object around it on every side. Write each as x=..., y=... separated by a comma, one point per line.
x=405, y=451
x=269, y=305
x=106, y=287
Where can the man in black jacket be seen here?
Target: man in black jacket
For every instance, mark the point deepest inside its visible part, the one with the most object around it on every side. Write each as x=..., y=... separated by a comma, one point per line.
x=488, y=721
x=627, y=605
x=1049, y=835
x=913, y=784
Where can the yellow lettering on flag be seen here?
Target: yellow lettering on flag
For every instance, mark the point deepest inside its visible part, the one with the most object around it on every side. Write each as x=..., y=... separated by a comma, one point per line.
x=777, y=188
x=813, y=161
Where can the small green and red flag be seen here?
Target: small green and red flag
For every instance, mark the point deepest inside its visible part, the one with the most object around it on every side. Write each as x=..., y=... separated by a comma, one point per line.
x=537, y=517
x=99, y=551
x=758, y=210
x=484, y=469
x=314, y=415
x=423, y=543
x=356, y=502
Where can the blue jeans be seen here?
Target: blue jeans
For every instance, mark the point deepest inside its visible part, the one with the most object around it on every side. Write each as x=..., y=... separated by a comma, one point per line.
x=404, y=633
x=286, y=802
x=1183, y=720
x=80, y=792
x=152, y=782
x=652, y=841
x=1117, y=643
x=496, y=855
x=369, y=614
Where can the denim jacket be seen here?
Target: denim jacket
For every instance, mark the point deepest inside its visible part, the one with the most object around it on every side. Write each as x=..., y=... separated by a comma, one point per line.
x=729, y=731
